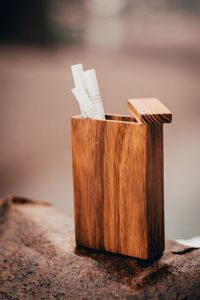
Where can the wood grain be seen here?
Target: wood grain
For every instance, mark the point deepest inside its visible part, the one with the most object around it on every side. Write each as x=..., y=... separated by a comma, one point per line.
x=155, y=188
x=149, y=111
x=118, y=186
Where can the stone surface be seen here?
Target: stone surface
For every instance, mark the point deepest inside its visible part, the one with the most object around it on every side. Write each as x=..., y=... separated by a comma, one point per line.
x=38, y=260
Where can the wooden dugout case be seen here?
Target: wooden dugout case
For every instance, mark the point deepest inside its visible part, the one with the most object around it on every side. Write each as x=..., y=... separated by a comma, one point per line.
x=118, y=180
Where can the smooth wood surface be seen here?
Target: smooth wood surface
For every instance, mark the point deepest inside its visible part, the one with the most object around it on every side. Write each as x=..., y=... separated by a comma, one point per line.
x=118, y=186
x=39, y=260
x=149, y=111
x=155, y=188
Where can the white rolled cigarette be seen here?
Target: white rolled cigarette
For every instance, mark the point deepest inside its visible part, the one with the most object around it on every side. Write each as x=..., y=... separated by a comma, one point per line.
x=91, y=113
x=91, y=82
x=88, y=109
x=93, y=90
x=78, y=76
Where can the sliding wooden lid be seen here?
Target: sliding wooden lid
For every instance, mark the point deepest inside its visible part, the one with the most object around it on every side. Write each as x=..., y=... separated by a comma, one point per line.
x=149, y=111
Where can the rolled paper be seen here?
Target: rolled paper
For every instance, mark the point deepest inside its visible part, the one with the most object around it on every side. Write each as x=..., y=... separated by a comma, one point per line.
x=93, y=90
x=88, y=110
x=79, y=79
x=91, y=82
x=78, y=76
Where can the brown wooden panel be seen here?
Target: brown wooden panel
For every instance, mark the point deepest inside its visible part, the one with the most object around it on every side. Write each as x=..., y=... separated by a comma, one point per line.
x=155, y=190
x=114, y=165
x=149, y=111
x=125, y=189
x=88, y=181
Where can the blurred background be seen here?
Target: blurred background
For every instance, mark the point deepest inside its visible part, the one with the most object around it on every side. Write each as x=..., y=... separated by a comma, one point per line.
x=139, y=49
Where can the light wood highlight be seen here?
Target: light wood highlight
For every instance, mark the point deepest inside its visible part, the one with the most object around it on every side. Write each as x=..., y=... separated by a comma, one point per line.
x=118, y=185
x=149, y=111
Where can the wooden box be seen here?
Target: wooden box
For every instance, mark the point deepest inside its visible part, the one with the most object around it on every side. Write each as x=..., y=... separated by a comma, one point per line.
x=118, y=180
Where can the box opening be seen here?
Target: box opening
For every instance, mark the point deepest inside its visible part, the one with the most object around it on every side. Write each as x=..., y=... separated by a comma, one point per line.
x=114, y=118
x=122, y=118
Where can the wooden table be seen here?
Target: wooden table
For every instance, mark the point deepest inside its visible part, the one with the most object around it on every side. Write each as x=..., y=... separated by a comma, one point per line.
x=38, y=260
